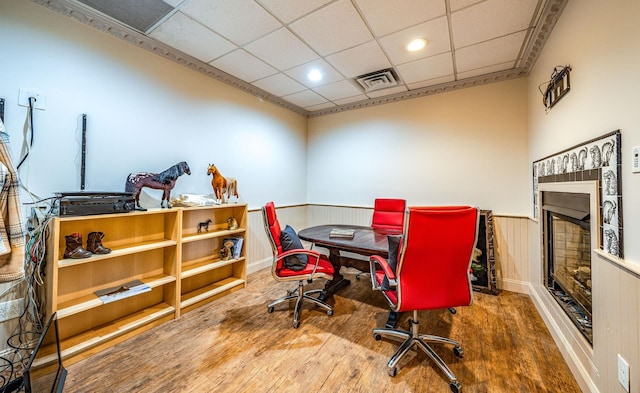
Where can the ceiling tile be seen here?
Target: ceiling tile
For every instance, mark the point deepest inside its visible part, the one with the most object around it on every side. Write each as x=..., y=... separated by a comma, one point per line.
x=337, y=90
x=456, y=5
x=305, y=98
x=386, y=17
x=190, y=37
x=300, y=73
x=499, y=18
x=385, y=92
x=431, y=82
x=486, y=70
x=240, y=21
x=173, y=3
x=320, y=106
x=282, y=49
x=425, y=69
x=349, y=100
x=500, y=50
x=333, y=28
x=436, y=31
x=244, y=66
x=288, y=11
x=279, y=85
x=360, y=60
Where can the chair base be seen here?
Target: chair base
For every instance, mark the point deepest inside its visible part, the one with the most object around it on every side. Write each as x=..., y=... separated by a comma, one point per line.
x=413, y=338
x=300, y=295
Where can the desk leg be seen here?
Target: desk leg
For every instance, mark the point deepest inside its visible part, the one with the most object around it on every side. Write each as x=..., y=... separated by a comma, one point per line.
x=338, y=281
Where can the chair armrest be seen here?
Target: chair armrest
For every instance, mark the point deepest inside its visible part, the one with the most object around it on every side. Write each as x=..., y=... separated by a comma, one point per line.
x=313, y=256
x=375, y=261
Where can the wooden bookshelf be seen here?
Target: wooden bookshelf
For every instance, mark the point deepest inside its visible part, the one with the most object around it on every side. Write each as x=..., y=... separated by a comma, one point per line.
x=159, y=247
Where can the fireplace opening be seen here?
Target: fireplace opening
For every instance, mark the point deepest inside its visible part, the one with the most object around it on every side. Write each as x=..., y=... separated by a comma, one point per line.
x=567, y=252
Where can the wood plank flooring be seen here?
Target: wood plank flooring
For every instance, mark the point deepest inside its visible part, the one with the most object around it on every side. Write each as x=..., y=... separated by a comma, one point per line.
x=234, y=345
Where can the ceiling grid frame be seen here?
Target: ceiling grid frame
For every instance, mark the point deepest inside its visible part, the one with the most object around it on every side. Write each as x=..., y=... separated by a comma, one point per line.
x=540, y=26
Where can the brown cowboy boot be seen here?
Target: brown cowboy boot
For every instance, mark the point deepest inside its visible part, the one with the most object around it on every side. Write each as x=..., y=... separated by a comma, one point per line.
x=94, y=243
x=74, y=248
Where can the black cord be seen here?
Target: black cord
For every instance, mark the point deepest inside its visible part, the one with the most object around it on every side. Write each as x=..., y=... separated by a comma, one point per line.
x=32, y=131
x=31, y=117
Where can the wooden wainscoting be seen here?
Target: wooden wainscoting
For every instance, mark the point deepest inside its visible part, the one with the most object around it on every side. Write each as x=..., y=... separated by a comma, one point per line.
x=510, y=238
x=259, y=255
x=511, y=243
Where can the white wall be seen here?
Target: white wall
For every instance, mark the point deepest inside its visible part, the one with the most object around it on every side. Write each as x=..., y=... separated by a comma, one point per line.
x=600, y=42
x=599, y=39
x=145, y=113
x=463, y=147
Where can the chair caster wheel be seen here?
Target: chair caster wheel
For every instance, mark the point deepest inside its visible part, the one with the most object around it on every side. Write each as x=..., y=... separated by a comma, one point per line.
x=377, y=337
x=458, y=352
x=455, y=387
x=270, y=310
x=329, y=312
x=393, y=371
x=296, y=324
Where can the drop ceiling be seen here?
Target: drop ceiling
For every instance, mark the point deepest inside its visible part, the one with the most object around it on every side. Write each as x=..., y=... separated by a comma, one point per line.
x=268, y=47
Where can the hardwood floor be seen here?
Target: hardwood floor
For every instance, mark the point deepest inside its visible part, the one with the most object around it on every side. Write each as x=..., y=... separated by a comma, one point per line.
x=234, y=345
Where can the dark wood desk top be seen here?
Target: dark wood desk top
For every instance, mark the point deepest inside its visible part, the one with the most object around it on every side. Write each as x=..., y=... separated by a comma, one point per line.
x=366, y=241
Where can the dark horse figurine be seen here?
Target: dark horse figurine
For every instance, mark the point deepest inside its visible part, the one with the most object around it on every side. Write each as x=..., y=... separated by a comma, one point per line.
x=165, y=181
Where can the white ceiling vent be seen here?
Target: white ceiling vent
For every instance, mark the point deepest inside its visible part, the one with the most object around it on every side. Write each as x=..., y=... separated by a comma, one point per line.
x=378, y=80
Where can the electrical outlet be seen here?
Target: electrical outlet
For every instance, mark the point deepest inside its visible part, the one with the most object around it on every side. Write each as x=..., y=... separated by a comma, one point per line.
x=623, y=373
x=25, y=93
x=11, y=309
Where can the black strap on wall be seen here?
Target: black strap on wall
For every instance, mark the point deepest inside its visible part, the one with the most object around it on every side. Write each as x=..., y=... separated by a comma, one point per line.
x=84, y=151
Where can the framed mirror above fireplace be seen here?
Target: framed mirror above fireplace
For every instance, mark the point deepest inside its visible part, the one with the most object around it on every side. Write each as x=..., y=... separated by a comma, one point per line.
x=569, y=234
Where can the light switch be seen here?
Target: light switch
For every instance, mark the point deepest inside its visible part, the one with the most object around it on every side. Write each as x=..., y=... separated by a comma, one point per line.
x=635, y=157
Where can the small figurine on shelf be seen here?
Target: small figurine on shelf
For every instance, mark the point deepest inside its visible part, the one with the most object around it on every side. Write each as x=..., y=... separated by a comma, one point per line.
x=164, y=181
x=218, y=183
x=232, y=223
x=222, y=186
x=204, y=225
x=226, y=252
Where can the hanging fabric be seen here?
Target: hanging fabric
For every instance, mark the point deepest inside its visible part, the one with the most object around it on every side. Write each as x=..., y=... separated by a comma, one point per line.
x=12, y=232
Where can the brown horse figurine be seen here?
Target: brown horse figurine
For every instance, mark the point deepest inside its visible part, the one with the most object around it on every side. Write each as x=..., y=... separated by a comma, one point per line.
x=164, y=180
x=219, y=183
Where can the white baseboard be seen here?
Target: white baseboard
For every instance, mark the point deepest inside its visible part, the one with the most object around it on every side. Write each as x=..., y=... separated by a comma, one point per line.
x=259, y=265
x=579, y=370
x=513, y=286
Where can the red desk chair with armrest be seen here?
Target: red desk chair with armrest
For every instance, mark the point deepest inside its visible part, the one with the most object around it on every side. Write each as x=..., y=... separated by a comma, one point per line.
x=431, y=273
x=388, y=214
x=317, y=266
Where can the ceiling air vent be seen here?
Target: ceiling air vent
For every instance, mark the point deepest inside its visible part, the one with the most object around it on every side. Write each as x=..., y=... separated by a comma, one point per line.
x=378, y=80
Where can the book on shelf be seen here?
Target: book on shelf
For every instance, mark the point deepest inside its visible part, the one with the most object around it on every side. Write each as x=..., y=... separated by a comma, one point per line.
x=342, y=233
x=131, y=288
x=237, y=245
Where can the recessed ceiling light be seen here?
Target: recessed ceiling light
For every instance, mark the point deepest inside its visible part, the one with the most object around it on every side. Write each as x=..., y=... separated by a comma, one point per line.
x=416, y=44
x=314, y=75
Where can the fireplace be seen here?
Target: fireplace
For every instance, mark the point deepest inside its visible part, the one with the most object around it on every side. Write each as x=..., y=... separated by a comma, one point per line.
x=567, y=244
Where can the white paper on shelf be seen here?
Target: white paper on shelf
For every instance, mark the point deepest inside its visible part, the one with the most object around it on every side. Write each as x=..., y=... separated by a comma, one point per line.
x=123, y=291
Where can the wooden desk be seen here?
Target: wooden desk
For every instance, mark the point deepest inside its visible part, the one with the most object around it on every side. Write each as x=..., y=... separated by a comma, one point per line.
x=366, y=241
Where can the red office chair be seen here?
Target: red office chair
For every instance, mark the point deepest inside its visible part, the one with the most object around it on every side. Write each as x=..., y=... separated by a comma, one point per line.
x=388, y=214
x=431, y=273
x=318, y=266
